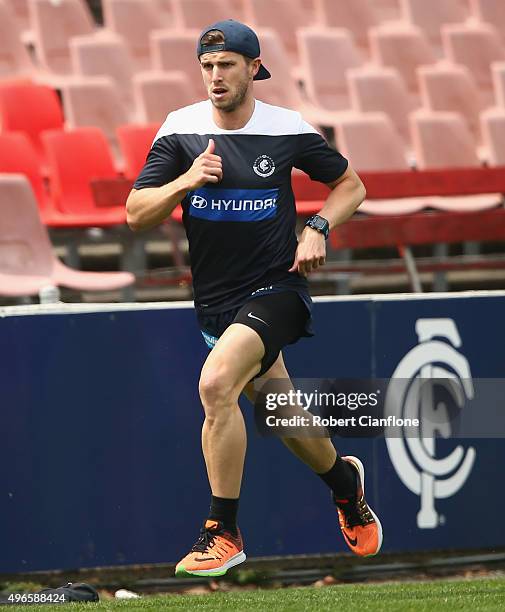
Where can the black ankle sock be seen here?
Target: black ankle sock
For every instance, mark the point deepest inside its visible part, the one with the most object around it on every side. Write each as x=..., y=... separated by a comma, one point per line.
x=341, y=479
x=224, y=510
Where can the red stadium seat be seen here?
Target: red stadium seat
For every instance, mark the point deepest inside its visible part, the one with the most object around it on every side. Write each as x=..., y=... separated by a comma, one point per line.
x=403, y=47
x=75, y=158
x=135, y=142
x=28, y=262
x=476, y=46
x=451, y=87
x=325, y=57
x=31, y=109
x=158, y=93
x=134, y=20
x=14, y=58
x=380, y=89
x=357, y=17
x=54, y=24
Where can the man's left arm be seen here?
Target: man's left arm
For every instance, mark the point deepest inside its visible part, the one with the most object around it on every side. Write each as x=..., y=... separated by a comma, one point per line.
x=346, y=194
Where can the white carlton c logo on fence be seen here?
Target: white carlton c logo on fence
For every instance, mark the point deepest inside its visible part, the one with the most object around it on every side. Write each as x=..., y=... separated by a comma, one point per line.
x=408, y=395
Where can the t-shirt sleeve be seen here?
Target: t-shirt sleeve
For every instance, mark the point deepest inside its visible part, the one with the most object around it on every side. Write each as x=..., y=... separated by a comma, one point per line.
x=315, y=157
x=162, y=165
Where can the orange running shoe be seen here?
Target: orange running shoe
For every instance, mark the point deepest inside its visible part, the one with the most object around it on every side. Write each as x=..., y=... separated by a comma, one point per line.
x=359, y=524
x=215, y=552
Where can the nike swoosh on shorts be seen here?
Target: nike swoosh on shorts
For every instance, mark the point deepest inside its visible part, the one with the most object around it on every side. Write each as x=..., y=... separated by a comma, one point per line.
x=251, y=316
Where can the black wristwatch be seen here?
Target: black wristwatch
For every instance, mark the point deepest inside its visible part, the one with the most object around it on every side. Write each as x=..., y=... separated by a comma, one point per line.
x=320, y=224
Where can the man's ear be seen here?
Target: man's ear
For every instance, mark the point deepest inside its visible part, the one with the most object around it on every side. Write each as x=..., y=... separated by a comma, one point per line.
x=255, y=66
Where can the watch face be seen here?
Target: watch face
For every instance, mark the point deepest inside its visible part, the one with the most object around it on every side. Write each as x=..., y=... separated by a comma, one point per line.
x=319, y=223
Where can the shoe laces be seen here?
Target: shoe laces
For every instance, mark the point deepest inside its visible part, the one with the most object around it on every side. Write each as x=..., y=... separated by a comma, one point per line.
x=356, y=513
x=206, y=540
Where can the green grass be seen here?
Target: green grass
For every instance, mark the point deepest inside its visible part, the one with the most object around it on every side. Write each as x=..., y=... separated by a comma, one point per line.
x=474, y=595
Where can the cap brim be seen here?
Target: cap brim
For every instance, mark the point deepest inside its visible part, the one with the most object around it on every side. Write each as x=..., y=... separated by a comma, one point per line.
x=262, y=74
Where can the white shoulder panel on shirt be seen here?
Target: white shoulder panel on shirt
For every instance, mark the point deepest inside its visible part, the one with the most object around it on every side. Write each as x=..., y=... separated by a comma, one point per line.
x=266, y=120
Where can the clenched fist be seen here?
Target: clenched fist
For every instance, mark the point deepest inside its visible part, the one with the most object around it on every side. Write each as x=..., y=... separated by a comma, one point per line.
x=207, y=168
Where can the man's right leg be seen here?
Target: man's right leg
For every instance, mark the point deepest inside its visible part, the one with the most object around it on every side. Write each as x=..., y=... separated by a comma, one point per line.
x=235, y=359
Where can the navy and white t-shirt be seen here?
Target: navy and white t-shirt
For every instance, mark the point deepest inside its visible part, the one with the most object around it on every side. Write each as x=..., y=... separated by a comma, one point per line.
x=241, y=231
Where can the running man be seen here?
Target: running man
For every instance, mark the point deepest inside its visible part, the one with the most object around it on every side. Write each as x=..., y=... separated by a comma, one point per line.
x=228, y=161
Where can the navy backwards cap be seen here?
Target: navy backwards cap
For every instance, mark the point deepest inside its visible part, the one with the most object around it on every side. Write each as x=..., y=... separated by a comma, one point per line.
x=237, y=37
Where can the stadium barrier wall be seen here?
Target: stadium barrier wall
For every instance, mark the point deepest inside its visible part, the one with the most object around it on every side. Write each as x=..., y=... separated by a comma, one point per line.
x=100, y=452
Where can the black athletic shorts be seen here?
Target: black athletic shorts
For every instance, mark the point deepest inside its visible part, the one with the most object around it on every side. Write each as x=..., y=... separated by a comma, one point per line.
x=279, y=318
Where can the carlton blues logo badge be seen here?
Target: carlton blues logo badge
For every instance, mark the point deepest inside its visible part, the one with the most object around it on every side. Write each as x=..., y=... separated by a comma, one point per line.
x=264, y=166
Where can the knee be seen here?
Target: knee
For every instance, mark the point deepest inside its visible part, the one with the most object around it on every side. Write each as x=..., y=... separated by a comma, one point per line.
x=216, y=390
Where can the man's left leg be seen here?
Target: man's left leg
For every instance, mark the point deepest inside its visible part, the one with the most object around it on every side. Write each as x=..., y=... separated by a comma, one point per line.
x=345, y=476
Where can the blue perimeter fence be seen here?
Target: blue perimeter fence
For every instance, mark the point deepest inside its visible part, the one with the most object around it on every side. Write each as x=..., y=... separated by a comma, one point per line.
x=100, y=449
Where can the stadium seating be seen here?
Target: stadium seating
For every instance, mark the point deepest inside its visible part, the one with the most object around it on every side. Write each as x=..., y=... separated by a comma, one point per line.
x=476, y=46
x=134, y=20
x=75, y=158
x=386, y=10
x=176, y=50
x=95, y=101
x=28, y=263
x=159, y=93
x=376, y=88
x=135, y=142
x=493, y=130
x=92, y=56
x=282, y=16
x=18, y=156
x=498, y=72
x=370, y=142
x=325, y=56
x=357, y=17
x=14, y=58
x=451, y=87
x=403, y=47
x=30, y=109
x=442, y=140
x=54, y=24
x=198, y=14
x=490, y=11
x=430, y=15
x=19, y=8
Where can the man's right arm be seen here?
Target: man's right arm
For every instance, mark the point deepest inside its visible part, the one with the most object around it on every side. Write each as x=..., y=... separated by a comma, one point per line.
x=149, y=206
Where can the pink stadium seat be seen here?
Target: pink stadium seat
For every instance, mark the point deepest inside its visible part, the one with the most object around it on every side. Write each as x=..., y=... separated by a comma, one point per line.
x=430, y=15
x=282, y=16
x=54, y=24
x=159, y=93
x=325, y=57
x=27, y=261
x=14, y=58
x=498, y=71
x=75, y=158
x=490, y=11
x=371, y=142
x=96, y=56
x=18, y=155
x=451, y=87
x=357, y=16
x=386, y=10
x=375, y=88
x=493, y=130
x=134, y=20
x=475, y=45
x=442, y=140
x=200, y=13
x=19, y=8
x=176, y=50
x=402, y=47
x=136, y=142
x=31, y=109
x=95, y=101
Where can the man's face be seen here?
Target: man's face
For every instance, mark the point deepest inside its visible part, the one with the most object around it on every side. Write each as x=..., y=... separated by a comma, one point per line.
x=227, y=77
